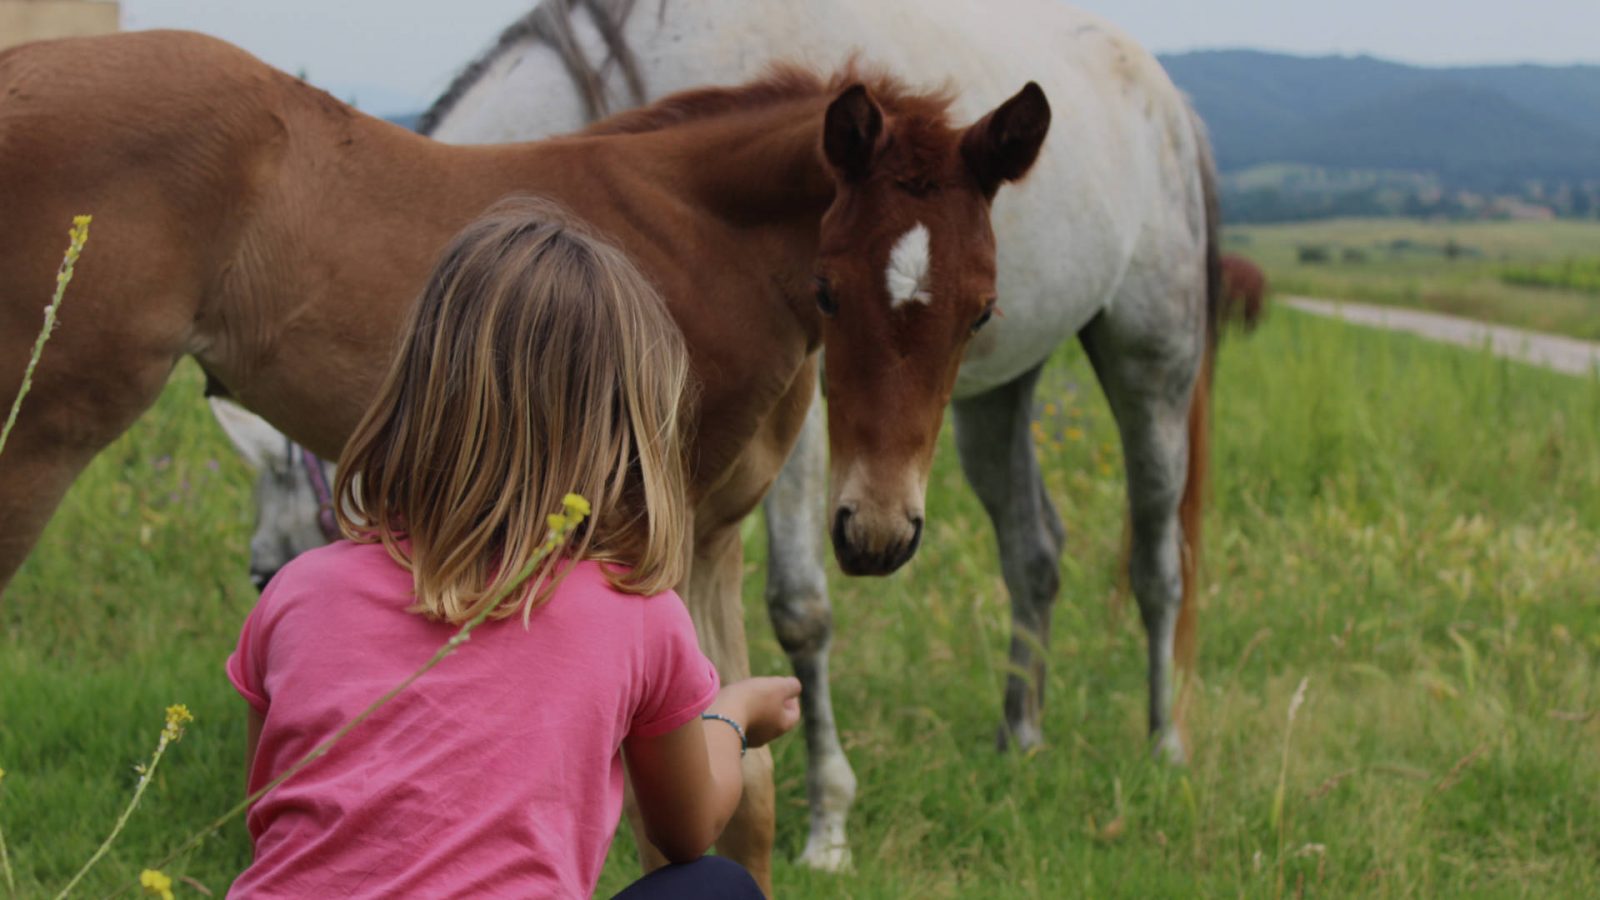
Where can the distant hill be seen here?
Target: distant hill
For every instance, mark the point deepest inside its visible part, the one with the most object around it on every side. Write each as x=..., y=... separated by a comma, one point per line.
x=1466, y=134
x=1480, y=126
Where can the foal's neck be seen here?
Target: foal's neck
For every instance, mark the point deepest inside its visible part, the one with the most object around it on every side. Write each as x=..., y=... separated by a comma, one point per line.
x=759, y=167
x=725, y=197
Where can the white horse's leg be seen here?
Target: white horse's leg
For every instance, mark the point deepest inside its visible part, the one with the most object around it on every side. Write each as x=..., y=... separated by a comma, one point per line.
x=1147, y=365
x=797, y=601
x=994, y=438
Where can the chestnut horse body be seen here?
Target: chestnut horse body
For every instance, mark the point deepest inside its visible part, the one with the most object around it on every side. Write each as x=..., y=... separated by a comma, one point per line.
x=1244, y=291
x=1113, y=242
x=278, y=236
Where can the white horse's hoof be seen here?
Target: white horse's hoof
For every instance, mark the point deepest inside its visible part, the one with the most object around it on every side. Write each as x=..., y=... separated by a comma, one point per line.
x=826, y=856
x=1169, y=749
x=1024, y=737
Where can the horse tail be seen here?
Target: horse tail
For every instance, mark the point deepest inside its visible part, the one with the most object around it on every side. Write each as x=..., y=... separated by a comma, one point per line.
x=1191, y=507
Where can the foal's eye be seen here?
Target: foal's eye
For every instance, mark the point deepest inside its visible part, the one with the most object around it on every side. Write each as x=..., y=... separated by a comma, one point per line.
x=983, y=317
x=825, y=301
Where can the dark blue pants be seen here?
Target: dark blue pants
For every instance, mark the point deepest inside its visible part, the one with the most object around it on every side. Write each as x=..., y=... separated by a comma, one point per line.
x=707, y=878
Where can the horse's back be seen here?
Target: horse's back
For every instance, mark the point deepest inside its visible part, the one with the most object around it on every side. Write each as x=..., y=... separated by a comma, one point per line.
x=148, y=82
x=155, y=134
x=146, y=126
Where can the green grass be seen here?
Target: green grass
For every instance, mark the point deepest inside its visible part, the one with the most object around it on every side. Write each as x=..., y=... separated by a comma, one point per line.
x=1575, y=274
x=1472, y=284
x=1413, y=528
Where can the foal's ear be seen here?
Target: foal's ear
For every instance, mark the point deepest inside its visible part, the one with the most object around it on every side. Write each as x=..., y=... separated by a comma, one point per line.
x=1002, y=146
x=850, y=132
x=259, y=443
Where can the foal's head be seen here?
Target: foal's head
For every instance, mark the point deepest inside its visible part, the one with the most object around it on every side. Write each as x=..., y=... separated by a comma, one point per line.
x=905, y=276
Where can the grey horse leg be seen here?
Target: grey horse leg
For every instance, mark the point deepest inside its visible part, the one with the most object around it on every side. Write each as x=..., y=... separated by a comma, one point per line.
x=797, y=601
x=1149, y=387
x=994, y=439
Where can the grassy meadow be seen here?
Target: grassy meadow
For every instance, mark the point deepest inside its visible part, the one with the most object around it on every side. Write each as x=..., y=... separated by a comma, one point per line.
x=1413, y=530
x=1527, y=274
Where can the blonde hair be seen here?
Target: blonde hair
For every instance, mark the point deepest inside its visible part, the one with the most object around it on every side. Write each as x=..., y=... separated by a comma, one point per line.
x=538, y=361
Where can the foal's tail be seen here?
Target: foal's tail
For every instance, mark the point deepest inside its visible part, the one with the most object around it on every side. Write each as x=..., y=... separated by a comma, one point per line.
x=1191, y=507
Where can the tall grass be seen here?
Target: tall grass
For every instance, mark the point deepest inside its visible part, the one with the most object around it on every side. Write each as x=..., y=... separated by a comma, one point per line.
x=1413, y=528
x=1577, y=274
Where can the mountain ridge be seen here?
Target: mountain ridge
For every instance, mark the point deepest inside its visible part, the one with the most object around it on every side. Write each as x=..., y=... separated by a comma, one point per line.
x=1480, y=127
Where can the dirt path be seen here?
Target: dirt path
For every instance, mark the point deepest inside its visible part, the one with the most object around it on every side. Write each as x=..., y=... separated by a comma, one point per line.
x=1552, y=351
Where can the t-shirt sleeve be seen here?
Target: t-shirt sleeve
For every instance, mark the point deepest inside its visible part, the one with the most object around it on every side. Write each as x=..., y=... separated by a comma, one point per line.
x=679, y=682
x=247, y=665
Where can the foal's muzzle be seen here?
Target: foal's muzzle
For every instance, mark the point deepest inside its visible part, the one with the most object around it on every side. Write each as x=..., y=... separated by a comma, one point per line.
x=863, y=551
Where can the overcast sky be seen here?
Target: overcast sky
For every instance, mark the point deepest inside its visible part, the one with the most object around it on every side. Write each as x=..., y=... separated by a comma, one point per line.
x=393, y=56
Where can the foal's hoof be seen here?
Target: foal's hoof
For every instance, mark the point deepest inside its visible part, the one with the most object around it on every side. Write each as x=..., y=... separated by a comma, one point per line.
x=1023, y=737
x=826, y=856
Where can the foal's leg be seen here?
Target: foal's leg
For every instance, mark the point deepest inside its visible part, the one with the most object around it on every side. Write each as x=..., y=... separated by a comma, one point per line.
x=713, y=597
x=35, y=471
x=994, y=440
x=797, y=601
x=1148, y=379
x=84, y=395
x=715, y=603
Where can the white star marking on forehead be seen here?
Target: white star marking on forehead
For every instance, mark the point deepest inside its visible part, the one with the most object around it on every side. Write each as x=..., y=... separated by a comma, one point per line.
x=907, y=275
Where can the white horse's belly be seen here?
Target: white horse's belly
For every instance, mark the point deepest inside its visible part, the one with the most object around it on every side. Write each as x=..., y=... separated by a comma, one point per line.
x=1065, y=235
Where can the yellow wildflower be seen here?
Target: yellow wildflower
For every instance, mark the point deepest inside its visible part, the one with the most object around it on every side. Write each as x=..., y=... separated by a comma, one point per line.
x=1074, y=434
x=177, y=716
x=156, y=884
x=1049, y=409
x=77, y=237
x=574, y=509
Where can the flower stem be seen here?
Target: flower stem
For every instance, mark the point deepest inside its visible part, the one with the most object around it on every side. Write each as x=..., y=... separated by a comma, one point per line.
x=5, y=866
x=78, y=236
x=145, y=778
x=1280, y=794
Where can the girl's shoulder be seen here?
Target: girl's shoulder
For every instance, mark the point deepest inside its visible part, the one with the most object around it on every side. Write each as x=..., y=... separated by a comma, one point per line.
x=340, y=561
x=587, y=592
x=337, y=569
x=592, y=579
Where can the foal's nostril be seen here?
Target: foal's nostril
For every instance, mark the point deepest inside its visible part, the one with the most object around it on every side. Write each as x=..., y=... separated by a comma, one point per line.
x=260, y=579
x=841, y=519
x=916, y=537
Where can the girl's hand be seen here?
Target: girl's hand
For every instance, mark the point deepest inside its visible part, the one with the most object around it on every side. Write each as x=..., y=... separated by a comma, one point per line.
x=766, y=707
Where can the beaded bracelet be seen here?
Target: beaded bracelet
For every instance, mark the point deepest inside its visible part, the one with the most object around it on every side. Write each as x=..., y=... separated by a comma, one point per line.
x=737, y=728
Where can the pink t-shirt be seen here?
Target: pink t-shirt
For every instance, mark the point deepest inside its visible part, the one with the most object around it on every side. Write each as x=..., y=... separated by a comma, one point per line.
x=497, y=774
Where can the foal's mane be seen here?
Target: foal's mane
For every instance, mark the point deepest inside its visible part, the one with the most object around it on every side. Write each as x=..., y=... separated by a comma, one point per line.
x=919, y=140
x=922, y=111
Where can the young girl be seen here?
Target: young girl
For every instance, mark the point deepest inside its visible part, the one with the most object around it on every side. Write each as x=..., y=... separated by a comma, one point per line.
x=538, y=361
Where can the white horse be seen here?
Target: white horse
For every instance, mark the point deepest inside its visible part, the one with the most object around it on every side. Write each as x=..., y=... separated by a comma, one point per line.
x=294, y=503
x=1112, y=241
